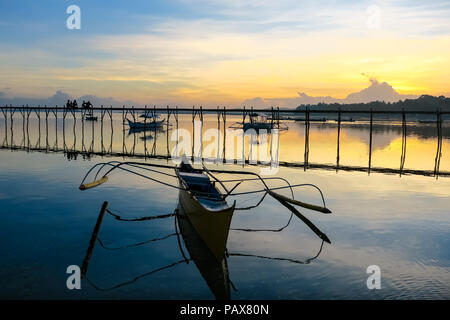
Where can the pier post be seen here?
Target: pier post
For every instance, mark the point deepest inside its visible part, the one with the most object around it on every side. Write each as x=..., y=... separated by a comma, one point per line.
x=64, y=129
x=306, y=156
x=47, y=146
x=91, y=148
x=338, y=139
x=224, y=116
x=437, y=159
x=74, y=131
x=102, y=114
x=123, y=130
x=55, y=112
x=370, y=141
x=83, y=147
x=5, y=140
x=28, y=129
x=403, y=157
x=22, y=113
x=11, y=123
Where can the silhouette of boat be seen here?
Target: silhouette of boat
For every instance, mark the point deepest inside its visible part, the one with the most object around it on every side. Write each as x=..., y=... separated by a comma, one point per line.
x=260, y=121
x=145, y=125
x=90, y=116
x=206, y=208
x=149, y=115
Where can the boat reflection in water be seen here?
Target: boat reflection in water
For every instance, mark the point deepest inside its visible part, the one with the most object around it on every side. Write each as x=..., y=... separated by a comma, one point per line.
x=214, y=272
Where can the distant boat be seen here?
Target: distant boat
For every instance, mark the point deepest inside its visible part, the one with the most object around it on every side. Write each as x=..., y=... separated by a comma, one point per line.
x=149, y=115
x=260, y=121
x=90, y=117
x=145, y=125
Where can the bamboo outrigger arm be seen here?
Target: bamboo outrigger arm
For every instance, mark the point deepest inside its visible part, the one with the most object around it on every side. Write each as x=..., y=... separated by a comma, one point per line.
x=145, y=166
x=119, y=165
x=323, y=209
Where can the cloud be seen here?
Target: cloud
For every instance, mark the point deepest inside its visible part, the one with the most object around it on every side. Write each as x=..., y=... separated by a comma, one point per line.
x=257, y=102
x=60, y=98
x=377, y=91
x=230, y=50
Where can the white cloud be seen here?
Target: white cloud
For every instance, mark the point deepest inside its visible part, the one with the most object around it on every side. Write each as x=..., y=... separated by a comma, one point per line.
x=377, y=91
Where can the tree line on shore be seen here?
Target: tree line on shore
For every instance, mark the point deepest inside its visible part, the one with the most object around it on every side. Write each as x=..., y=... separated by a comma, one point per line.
x=423, y=103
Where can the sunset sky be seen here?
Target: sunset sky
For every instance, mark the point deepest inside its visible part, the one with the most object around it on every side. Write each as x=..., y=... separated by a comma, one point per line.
x=223, y=52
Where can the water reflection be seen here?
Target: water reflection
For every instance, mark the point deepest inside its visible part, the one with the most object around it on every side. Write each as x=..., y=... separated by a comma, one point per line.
x=381, y=146
x=214, y=271
x=401, y=224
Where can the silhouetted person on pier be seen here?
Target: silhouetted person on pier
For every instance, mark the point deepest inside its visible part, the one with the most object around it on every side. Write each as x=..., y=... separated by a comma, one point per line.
x=74, y=104
x=68, y=104
x=83, y=105
x=89, y=104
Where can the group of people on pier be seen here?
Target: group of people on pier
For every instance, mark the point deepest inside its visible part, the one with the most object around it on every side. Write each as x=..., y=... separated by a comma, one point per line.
x=74, y=105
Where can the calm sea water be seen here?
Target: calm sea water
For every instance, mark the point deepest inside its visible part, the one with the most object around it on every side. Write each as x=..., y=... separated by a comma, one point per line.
x=399, y=223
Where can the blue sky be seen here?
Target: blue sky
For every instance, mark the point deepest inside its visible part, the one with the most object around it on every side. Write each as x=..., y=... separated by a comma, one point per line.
x=221, y=51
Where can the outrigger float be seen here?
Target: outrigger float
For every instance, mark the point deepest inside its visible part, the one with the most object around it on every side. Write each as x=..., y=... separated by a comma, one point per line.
x=201, y=199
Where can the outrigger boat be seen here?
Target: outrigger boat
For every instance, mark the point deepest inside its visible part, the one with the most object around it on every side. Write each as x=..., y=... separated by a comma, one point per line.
x=206, y=208
x=135, y=125
x=204, y=204
x=203, y=216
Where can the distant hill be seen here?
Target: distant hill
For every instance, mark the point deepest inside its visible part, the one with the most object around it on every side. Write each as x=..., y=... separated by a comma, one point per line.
x=378, y=96
x=422, y=103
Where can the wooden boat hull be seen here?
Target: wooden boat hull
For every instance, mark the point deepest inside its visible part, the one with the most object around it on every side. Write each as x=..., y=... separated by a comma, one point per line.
x=212, y=225
x=145, y=125
x=215, y=272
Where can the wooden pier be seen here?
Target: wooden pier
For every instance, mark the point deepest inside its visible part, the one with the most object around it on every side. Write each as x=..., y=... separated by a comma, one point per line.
x=59, y=116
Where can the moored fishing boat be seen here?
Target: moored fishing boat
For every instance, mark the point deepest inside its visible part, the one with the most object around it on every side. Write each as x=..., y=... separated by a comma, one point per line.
x=260, y=121
x=145, y=124
x=149, y=115
x=205, y=207
x=89, y=116
x=204, y=204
